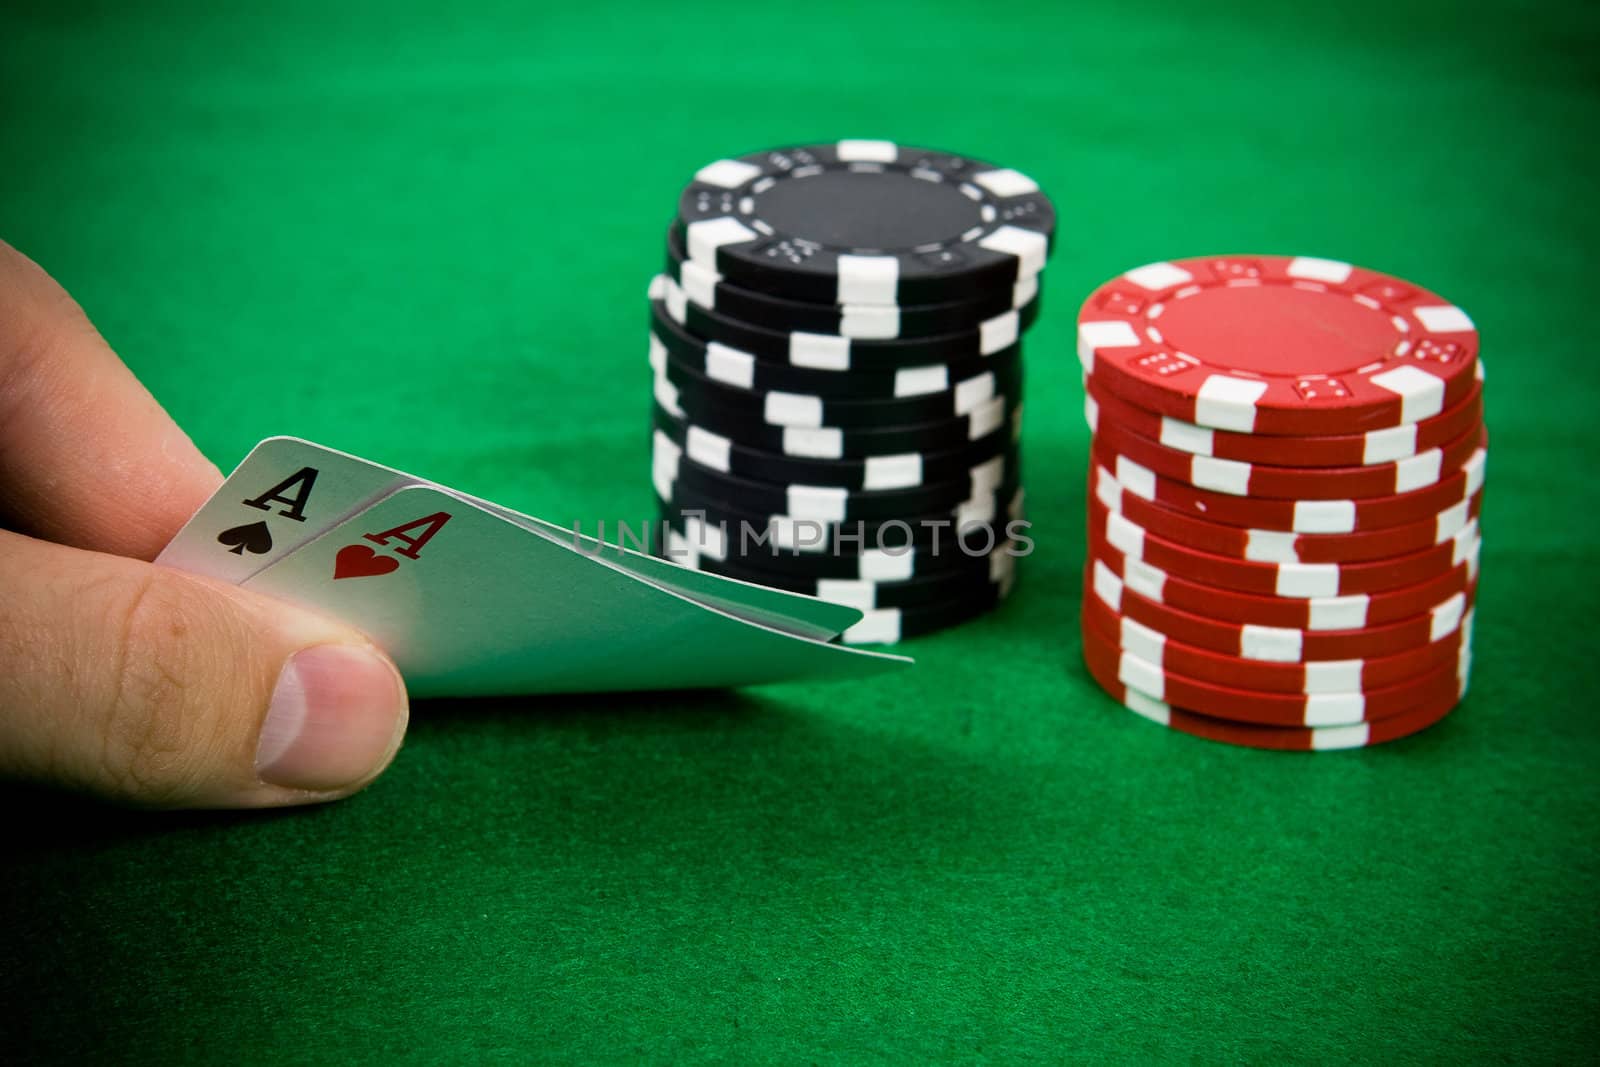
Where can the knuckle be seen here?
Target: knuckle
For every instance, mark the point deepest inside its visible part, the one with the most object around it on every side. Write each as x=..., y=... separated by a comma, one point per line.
x=151, y=732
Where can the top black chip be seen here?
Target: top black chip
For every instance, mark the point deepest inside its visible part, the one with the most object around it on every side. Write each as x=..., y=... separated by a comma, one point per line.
x=865, y=222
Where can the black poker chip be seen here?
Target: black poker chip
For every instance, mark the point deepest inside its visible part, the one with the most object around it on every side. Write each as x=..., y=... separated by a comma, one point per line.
x=976, y=525
x=901, y=470
x=865, y=222
x=988, y=419
x=732, y=366
x=828, y=503
x=696, y=392
x=828, y=352
x=708, y=290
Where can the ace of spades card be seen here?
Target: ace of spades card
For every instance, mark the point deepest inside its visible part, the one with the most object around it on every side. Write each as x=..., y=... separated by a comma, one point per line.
x=284, y=493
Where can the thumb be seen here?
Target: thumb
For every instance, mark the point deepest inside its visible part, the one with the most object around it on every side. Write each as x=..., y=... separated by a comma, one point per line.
x=162, y=689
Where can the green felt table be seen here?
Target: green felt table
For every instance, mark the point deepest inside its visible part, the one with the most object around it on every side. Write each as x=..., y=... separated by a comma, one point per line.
x=424, y=236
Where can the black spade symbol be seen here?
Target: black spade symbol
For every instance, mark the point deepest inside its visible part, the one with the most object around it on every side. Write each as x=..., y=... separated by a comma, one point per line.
x=254, y=537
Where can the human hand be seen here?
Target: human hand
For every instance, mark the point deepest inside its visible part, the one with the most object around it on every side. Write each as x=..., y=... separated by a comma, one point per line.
x=137, y=682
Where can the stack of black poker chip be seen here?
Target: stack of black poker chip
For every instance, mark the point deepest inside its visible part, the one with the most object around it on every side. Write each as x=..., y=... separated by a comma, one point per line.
x=837, y=349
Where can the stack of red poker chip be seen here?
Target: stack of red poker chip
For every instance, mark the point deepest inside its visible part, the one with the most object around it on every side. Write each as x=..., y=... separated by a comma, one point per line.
x=1283, y=498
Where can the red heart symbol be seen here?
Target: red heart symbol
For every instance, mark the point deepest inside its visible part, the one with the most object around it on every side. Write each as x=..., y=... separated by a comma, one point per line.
x=359, y=561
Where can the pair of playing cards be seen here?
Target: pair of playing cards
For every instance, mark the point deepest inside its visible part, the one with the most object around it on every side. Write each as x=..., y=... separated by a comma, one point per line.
x=471, y=599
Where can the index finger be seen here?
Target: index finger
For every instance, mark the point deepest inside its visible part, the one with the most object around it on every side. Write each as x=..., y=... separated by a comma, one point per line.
x=88, y=458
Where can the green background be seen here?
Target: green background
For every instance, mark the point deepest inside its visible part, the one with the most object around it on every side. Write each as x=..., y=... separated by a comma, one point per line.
x=424, y=237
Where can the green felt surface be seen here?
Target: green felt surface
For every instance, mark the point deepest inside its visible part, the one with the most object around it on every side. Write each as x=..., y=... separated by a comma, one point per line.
x=424, y=237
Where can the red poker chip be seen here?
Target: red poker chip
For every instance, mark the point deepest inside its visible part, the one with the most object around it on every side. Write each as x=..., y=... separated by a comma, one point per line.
x=1268, y=709
x=1298, y=516
x=1278, y=345
x=1310, y=613
x=1329, y=450
x=1304, y=580
x=1274, y=643
x=1277, y=546
x=1237, y=478
x=1278, y=738
x=1331, y=676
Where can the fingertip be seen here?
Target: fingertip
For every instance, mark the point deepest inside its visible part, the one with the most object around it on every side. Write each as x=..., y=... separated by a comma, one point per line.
x=335, y=720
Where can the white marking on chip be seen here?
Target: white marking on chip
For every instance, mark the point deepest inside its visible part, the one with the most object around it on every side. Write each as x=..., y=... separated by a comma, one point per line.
x=879, y=627
x=892, y=472
x=820, y=443
x=1222, y=475
x=1148, y=581
x=1006, y=182
x=727, y=173
x=1306, y=580
x=1140, y=481
x=987, y=418
x=1451, y=521
x=869, y=323
x=1322, y=270
x=699, y=282
x=1124, y=536
x=1421, y=394
x=1147, y=706
x=1107, y=586
x=1476, y=467
x=880, y=565
x=730, y=365
x=1028, y=246
x=1333, y=676
x=1444, y=318
x=919, y=381
x=792, y=409
x=1338, y=612
x=998, y=333
x=821, y=502
x=1111, y=334
x=1141, y=675
x=1384, y=446
x=1187, y=437
x=987, y=476
x=1330, y=738
x=708, y=449
x=1418, y=471
x=1446, y=618
x=1273, y=644
x=1141, y=640
x=667, y=396
x=867, y=151
x=1271, y=546
x=703, y=238
x=975, y=391
x=1228, y=403
x=868, y=280
x=1324, y=516
x=674, y=299
x=1334, y=709
x=1106, y=489
x=1154, y=276
x=819, y=351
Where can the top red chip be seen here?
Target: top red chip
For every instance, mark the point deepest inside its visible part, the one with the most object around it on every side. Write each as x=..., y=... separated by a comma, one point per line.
x=1277, y=345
